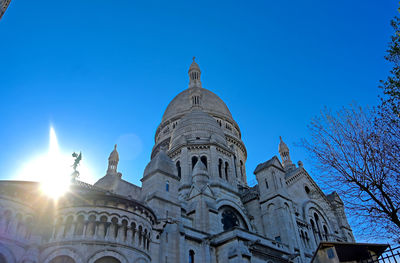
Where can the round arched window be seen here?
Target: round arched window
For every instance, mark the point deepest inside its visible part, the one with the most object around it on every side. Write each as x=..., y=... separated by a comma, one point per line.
x=229, y=219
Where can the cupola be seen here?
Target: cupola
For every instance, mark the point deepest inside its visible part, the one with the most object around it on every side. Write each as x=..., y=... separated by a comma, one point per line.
x=194, y=75
x=113, y=160
x=285, y=156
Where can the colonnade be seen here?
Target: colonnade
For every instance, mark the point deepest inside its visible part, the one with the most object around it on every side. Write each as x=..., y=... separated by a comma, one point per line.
x=102, y=227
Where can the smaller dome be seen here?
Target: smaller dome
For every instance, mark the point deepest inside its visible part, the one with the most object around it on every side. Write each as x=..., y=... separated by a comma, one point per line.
x=200, y=169
x=194, y=65
x=161, y=162
x=197, y=127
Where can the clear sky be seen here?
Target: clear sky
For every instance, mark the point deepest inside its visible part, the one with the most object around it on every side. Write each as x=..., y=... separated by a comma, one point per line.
x=103, y=72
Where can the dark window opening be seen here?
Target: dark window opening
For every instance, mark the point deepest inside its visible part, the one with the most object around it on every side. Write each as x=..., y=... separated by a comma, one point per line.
x=220, y=168
x=226, y=170
x=229, y=220
x=194, y=161
x=241, y=169
x=325, y=232
x=191, y=256
x=204, y=160
x=178, y=167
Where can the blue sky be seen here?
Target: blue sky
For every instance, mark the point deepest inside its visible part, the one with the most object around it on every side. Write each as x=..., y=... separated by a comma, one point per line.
x=103, y=72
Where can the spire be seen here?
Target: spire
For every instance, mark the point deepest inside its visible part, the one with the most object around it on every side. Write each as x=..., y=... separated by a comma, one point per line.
x=285, y=156
x=113, y=162
x=194, y=75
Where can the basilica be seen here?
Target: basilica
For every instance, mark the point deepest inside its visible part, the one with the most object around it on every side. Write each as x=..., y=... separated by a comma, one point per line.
x=193, y=205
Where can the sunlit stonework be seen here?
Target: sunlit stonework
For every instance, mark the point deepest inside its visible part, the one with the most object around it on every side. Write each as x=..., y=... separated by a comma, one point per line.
x=194, y=204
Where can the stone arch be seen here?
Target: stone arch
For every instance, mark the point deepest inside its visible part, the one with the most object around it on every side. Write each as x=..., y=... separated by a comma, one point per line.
x=321, y=214
x=238, y=209
x=312, y=211
x=115, y=215
x=108, y=253
x=64, y=252
x=309, y=205
x=231, y=218
x=7, y=255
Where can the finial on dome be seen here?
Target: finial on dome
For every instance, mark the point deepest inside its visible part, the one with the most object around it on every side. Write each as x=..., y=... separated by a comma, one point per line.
x=194, y=75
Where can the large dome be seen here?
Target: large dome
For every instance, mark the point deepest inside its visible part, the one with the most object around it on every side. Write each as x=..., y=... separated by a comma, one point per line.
x=197, y=127
x=210, y=103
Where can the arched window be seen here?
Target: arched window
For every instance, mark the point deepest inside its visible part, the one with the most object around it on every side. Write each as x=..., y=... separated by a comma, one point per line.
x=191, y=256
x=140, y=232
x=68, y=225
x=91, y=225
x=226, y=170
x=194, y=161
x=167, y=186
x=316, y=217
x=114, y=227
x=241, y=169
x=306, y=237
x=133, y=227
x=314, y=231
x=79, y=225
x=229, y=219
x=178, y=167
x=266, y=183
x=60, y=259
x=325, y=232
x=220, y=168
x=204, y=160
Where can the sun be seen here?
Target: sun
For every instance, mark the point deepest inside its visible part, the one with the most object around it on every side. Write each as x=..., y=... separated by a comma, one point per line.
x=52, y=170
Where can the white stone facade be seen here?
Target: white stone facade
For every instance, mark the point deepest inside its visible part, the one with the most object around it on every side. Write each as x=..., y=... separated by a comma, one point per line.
x=194, y=204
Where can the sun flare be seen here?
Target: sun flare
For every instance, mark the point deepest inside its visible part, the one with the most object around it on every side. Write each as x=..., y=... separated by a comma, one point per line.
x=52, y=169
